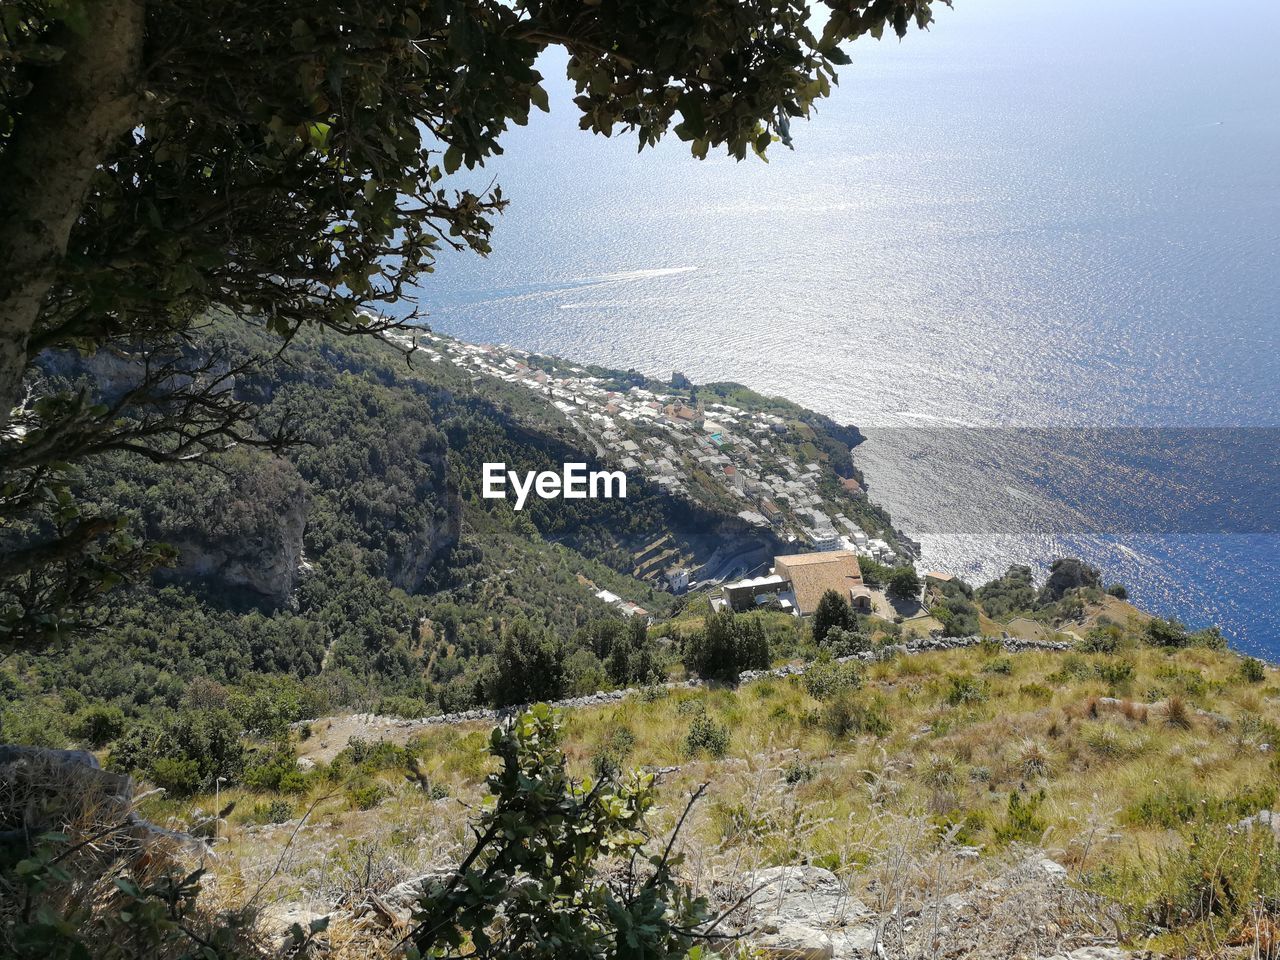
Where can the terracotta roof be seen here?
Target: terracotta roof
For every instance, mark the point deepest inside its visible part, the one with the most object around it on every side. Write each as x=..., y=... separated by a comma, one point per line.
x=813, y=574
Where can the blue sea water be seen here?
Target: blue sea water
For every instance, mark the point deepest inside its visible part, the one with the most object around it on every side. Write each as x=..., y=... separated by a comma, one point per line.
x=1045, y=215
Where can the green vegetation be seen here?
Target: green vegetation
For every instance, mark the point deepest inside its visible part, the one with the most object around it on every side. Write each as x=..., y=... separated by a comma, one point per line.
x=542, y=827
x=727, y=645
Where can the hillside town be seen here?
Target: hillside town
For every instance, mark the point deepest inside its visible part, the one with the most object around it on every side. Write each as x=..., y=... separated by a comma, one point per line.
x=754, y=459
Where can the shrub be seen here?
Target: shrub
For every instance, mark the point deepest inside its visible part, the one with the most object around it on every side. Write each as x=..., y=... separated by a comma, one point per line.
x=1101, y=639
x=692, y=707
x=1177, y=803
x=1160, y=632
x=613, y=751
x=1119, y=591
x=98, y=725
x=844, y=642
x=1074, y=668
x=176, y=775
x=1036, y=691
x=963, y=829
x=825, y=678
x=276, y=810
x=366, y=796
x=1022, y=822
x=726, y=645
x=1252, y=670
x=1116, y=672
x=849, y=714
x=963, y=690
x=1002, y=666
x=799, y=771
x=1218, y=885
x=706, y=735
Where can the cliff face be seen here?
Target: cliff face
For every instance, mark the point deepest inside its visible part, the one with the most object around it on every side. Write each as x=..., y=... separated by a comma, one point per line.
x=237, y=524
x=261, y=555
x=431, y=535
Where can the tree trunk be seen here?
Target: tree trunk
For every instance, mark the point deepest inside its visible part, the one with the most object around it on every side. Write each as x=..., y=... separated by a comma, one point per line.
x=76, y=110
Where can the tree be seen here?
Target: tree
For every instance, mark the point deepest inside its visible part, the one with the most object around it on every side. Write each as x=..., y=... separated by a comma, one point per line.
x=290, y=164
x=726, y=645
x=904, y=583
x=833, y=610
x=530, y=666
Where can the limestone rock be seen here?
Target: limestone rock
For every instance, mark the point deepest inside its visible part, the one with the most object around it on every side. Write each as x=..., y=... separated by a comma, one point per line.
x=1092, y=953
x=805, y=913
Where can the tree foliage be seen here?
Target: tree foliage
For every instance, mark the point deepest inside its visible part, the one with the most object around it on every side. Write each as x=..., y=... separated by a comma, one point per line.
x=833, y=611
x=539, y=845
x=726, y=645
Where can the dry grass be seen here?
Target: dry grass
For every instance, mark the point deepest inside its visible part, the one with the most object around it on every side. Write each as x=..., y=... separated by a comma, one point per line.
x=868, y=807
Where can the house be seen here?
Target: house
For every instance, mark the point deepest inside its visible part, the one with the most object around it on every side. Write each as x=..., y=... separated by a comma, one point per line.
x=682, y=411
x=823, y=538
x=756, y=592
x=813, y=574
x=851, y=486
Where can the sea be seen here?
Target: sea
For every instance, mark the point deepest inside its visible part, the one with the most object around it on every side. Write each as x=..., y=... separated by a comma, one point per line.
x=1033, y=254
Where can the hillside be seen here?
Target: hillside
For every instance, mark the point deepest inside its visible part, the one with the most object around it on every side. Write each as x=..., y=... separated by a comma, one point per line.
x=1023, y=768
x=981, y=801
x=361, y=569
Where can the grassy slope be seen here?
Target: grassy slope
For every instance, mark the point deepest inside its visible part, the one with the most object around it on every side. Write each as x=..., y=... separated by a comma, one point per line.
x=1115, y=781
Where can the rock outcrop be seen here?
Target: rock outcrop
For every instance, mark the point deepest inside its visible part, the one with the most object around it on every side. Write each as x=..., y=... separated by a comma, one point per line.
x=805, y=913
x=44, y=790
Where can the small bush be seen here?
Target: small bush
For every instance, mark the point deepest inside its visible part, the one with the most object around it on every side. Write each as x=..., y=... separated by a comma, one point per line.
x=849, y=714
x=1001, y=666
x=276, y=810
x=1218, y=886
x=964, y=690
x=1116, y=672
x=366, y=796
x=799, y=771
x=612, y=754
x=705, y=735
x=179, y=776
x=1036, y=691
x=1176, y=804
x=1074, y=668
x=1252, y=670
x=1022, y=822
x=826, y=679
x=1187, y=681
x=693, y=707
x=963, y=829
x=1105, y=639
